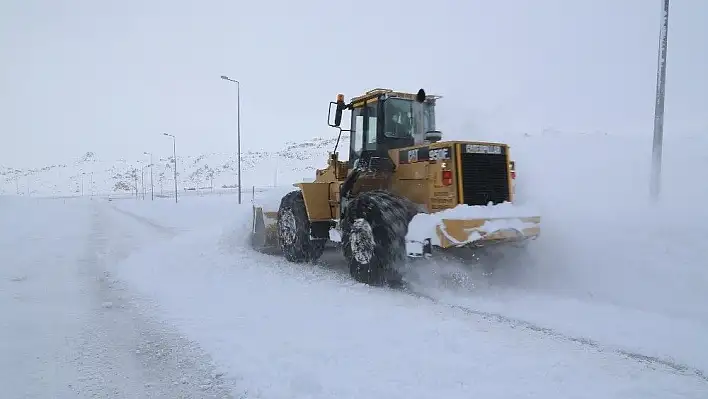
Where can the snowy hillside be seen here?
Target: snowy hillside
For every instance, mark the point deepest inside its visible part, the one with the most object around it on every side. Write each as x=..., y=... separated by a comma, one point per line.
x=295, y=161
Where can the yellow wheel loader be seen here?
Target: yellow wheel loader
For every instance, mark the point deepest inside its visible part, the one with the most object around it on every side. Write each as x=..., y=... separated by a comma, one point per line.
x=402, y=193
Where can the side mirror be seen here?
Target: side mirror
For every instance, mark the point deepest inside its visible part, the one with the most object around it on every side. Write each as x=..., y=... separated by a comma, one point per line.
x=338, y=114
x=433, y=136
x=340, y=106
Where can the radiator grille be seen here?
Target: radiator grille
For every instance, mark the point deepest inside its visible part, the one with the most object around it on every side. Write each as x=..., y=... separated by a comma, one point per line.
x=485, y=178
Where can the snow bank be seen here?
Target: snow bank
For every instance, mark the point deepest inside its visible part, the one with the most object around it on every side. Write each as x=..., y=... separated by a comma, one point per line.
x=502, y=217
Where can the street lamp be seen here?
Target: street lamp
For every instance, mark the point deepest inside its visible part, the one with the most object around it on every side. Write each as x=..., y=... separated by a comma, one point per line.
x=135, y=180
x=142, y=179
x=238, y=129
x=152, y=186
x=174, y=155
x=657, y=147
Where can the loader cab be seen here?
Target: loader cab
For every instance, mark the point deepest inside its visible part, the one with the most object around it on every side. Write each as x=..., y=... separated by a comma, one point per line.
x=383, y=119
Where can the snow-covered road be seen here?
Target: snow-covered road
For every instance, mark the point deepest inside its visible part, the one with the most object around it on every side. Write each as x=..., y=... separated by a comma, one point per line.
x=121, y=300
x=288, y=330
x=68, y=328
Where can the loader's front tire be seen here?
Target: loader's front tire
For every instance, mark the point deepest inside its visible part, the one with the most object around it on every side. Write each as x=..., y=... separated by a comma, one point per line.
x=294, y=231
x=374, y=228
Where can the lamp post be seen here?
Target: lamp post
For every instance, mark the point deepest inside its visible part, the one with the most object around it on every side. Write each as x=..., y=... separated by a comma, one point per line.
x=152, y=185
x=142, y=179
x=135, y=179
x=238, y=129
x=657, y=147
x=174, y=155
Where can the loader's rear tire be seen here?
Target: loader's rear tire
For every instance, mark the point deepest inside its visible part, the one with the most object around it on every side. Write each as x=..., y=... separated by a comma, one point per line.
x=374, y=228
x=294, y=231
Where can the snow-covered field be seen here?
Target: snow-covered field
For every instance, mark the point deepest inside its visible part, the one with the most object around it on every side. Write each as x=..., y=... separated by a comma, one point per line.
x=133, y=298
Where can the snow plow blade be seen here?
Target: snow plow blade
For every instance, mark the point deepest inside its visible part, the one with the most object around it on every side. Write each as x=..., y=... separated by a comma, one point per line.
x=431, y=230
x=264, y=233
x=264, y=218
x=464, y=226
x=482, y=232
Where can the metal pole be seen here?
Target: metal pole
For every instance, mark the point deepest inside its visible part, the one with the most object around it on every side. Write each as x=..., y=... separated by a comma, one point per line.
x=238, y=129
x=275, y=177
x=238, y=134
x=174, y=154
x=142, y=181
x=655, y=186
x=152, y=185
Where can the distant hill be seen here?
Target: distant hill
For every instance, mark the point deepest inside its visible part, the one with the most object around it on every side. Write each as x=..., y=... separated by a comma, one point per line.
x=94, y=175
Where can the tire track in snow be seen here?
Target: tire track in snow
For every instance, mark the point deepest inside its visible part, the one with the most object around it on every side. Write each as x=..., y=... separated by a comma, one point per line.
x=328, y=263
x=585, y=341
x=123, y=350
x=165, y=231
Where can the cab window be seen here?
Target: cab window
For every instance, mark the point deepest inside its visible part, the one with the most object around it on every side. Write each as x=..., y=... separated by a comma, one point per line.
x=399, y=121
x=372, y=126
x=364, y=128
x=357, y=132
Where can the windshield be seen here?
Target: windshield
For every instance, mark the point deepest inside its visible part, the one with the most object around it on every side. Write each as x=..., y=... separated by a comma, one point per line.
x=406, y=118
x=399, y=121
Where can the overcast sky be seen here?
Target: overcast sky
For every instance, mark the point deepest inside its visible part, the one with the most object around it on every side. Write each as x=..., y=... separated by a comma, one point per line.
x=110, y=77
